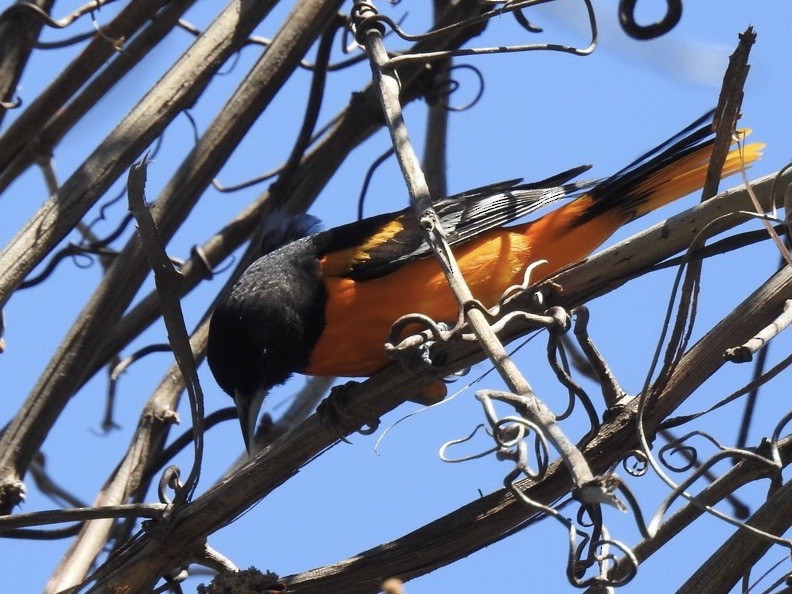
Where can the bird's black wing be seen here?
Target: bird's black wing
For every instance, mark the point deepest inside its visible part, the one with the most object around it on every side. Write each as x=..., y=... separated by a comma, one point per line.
x=377, y=246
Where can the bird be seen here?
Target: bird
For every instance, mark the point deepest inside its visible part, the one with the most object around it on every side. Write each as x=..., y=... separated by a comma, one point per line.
x=321, y=302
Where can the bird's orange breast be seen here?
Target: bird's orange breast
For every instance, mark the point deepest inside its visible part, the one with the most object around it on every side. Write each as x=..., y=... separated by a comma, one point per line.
x=359, y=314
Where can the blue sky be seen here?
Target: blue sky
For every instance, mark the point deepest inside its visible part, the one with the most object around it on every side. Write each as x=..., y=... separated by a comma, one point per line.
x=540, y=113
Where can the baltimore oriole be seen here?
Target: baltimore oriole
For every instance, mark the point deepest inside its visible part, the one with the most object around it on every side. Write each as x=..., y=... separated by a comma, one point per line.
x=322, y=303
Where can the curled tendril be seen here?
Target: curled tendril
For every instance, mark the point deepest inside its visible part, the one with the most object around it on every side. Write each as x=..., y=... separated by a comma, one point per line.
x=82, y=254
x=578, y=565
x=510, y=435
x=615, y=483
x=643, y=32
x=247, y=183
x=365, y=17
x=367, y=179
x=116, y=233
x=523, y=21
x=448, y=86
x=231, y=65
x=348, y=48
x=777, y=197
x=436, y=332
x=198, y=254
x=454, y=442
x=82, y=260
x=606, y=560
x=61, y=43
x=70, y=251
x=640, y=464
x=510, y=431
x=169, y=480
x=121, y=367
x=31, y=9
x=102, y=216
x=556, y=351
x=584, y=518
x=687, y=451
x=774, y=453
x=557, y=357
x=193, y=125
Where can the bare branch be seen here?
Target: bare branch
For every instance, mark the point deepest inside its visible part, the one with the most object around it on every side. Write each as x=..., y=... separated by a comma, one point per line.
x=744, y=352
x=168, y=282
x=151, y=510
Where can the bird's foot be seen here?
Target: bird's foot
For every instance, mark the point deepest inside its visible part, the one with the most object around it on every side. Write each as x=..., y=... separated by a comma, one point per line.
x=334, y=416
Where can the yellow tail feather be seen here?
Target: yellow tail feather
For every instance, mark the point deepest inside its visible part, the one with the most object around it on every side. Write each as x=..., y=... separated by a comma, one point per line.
x=689, y=173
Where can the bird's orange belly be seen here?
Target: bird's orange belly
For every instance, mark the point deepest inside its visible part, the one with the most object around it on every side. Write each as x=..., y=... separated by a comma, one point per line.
x=359, y=315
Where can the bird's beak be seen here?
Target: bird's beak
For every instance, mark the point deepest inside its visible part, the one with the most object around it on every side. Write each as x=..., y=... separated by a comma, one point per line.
x=248, y=407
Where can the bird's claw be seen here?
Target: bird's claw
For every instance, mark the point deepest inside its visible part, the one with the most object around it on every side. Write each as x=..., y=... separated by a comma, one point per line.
x=334, y=417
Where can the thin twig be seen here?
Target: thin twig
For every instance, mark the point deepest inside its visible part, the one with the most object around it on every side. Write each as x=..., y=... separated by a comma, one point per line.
x=744, y=352
x=61, y=23
x=728, y=110
x=57, y=516
x=168, y=282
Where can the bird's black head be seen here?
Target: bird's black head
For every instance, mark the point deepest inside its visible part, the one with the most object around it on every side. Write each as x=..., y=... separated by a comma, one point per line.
x=267, y=326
